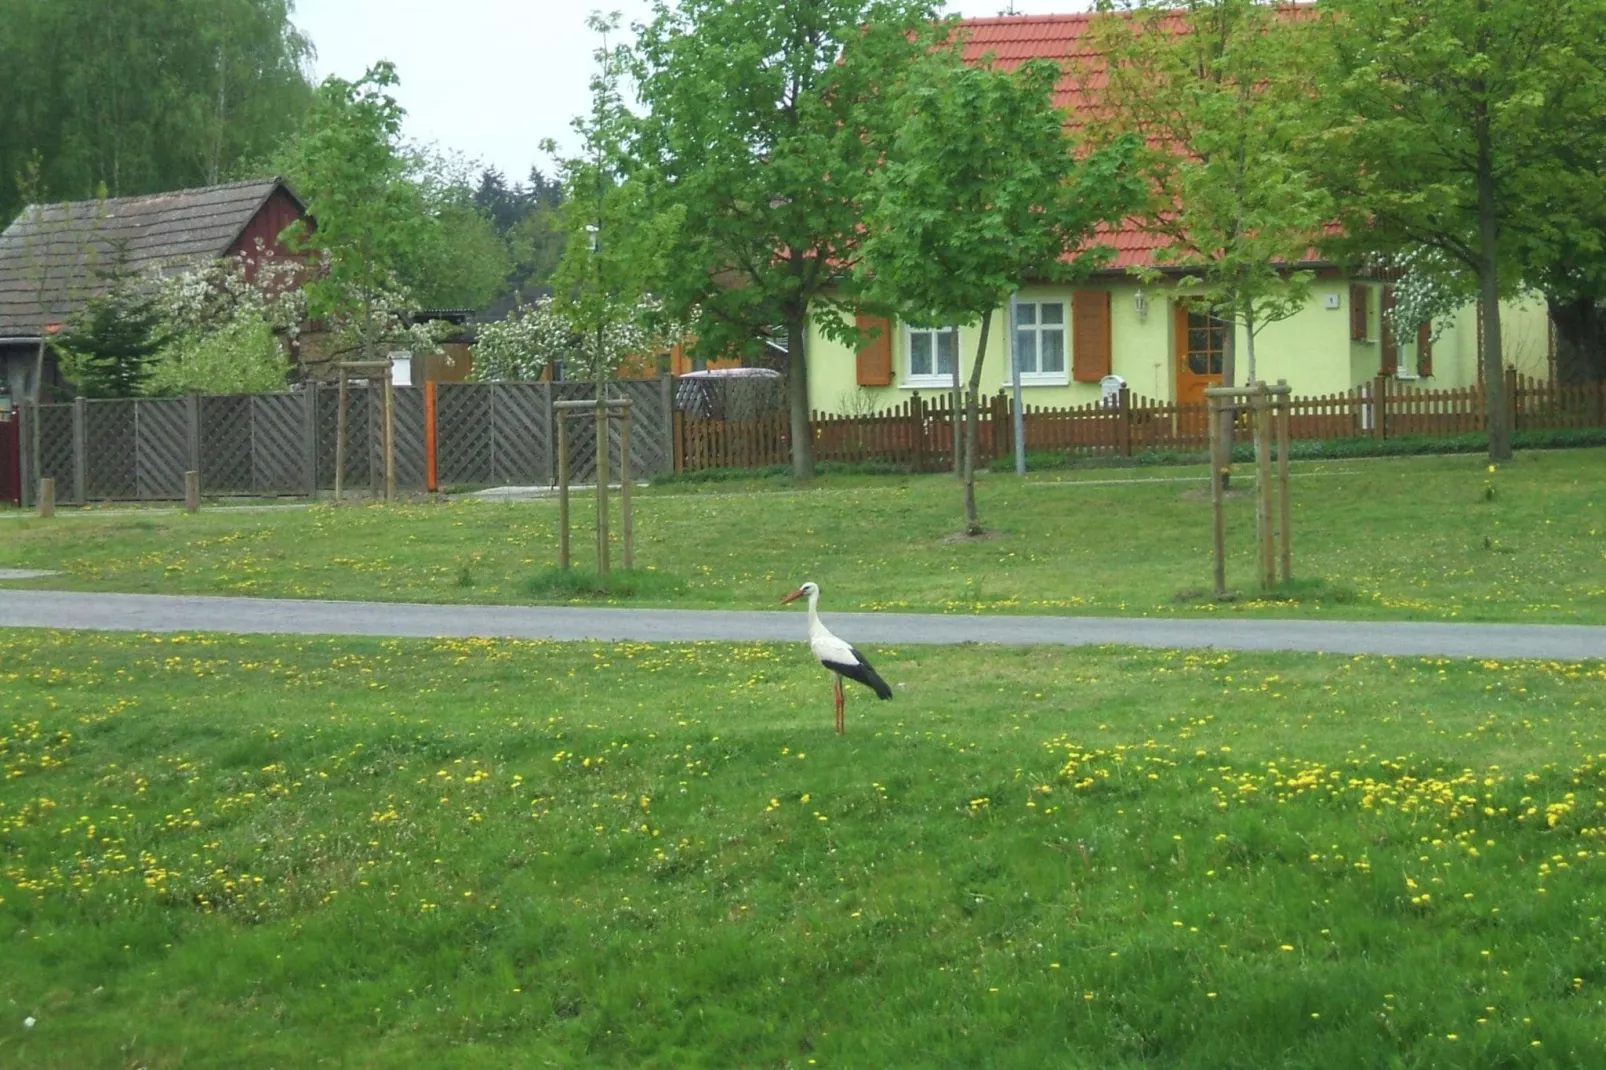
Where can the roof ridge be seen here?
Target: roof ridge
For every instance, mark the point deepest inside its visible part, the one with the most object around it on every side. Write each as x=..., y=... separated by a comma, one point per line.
x=242, y=183
x=1004, y=20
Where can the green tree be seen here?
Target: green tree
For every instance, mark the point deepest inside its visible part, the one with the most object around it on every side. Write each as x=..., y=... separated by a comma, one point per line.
x=107, y=349
x=371, y=223
x=140, y=96
x=762, y=124
x=618, y=241
x=1220, y=93
x=1453, y=126
x=981, y=191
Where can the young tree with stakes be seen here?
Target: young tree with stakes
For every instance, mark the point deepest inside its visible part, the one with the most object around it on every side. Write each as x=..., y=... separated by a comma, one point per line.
x=615, y=252
x=1221, y=93
x=982, y=190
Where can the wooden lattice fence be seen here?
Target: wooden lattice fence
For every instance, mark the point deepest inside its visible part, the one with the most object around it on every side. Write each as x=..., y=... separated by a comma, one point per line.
x=263, y=445
x=918, y=433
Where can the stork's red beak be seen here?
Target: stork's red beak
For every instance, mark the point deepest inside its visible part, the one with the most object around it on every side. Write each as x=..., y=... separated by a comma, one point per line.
x=793, y=597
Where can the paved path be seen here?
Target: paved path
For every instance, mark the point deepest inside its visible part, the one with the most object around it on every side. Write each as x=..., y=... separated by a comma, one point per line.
x=167, y=613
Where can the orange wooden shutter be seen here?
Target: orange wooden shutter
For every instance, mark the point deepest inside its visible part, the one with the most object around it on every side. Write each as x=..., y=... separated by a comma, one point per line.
x=1359, y=299
x=1391, y=349
x=1090, y=335
x=875, y=355
x=1424, y=349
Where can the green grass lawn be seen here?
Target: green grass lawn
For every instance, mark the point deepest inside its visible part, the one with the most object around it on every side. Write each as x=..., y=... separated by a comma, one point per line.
x=1404, y=538
x=300, y=852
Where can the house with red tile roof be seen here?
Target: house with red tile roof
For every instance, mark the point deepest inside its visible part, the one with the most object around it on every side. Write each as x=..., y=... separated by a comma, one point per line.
x=1069, y=339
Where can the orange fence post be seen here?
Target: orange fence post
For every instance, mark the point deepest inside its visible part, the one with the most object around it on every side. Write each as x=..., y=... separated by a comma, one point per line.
x=431, y=482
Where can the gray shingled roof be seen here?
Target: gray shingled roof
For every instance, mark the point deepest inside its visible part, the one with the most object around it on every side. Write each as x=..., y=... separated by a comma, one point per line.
x=53, y=256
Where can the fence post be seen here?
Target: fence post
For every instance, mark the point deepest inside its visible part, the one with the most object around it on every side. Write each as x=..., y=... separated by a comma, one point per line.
x=309, y=435
x=27, y=459
x=1380, y=406
x=47, y=497
x=677, y=435
x=1123, y=429
x=192, y=491
x=192, y=430
x=666, y=397
x=80, y=450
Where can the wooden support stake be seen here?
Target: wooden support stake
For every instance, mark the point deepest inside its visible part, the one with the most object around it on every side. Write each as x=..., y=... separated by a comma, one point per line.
x=192, y=492
x=1268, y=573
x=602, y=486
x=1217, y=518
x=563, y=490
x=47, y=497
x=390, y=435
x=431, y=442
x=626, y=529
x=1285, y=405
x=340, y=438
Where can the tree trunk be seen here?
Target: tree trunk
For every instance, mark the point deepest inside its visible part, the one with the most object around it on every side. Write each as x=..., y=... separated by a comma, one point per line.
x=1249, y=336
x=1580, y=340
x=1494, y=379
x=972, y=415
x=797, y=372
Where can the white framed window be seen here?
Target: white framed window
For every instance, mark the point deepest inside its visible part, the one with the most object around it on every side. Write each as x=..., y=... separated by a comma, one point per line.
x=1040, y=349
x=932, y=354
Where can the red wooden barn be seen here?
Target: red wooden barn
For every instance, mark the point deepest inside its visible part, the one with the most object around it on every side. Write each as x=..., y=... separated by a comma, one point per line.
x=55, y=257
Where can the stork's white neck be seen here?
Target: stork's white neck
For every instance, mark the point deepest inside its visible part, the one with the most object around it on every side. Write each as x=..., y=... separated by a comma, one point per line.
x=815, y=627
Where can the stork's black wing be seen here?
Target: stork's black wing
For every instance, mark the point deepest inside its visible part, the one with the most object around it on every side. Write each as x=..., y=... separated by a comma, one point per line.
x=863, y=672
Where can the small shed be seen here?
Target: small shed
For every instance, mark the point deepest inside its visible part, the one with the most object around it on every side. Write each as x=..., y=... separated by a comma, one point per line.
x=53, y=257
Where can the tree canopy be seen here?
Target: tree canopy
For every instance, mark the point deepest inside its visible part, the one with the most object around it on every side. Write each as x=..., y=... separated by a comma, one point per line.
x=1455, y=125
x=762, y=123
x=981, y=190
x=141, y=96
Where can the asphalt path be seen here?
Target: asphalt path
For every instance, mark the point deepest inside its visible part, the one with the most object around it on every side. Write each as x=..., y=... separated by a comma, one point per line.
x=171, y=613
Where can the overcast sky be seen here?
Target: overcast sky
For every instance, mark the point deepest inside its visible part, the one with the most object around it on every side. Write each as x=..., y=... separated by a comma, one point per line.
x=492, y=78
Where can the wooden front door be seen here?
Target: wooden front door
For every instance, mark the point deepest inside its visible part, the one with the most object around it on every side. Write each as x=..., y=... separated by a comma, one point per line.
x=1201, y=344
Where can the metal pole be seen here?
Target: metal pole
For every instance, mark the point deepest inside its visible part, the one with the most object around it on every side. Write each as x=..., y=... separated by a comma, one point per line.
x=340, y=438
x=563, y=489
x=1014, y=387
x=626, y=528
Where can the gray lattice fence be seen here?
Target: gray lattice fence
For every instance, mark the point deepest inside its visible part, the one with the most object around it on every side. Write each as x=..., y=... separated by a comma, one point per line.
x=360, y=473
x=55, y=460
x=277, y=444
x=162, y=447
x=522, y=449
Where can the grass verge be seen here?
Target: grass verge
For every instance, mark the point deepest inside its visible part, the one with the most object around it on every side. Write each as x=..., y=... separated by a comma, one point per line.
x=466, y=853
x=1425, y=538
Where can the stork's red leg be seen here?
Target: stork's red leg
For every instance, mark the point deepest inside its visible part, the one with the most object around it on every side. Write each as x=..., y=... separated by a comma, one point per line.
x=839, y=701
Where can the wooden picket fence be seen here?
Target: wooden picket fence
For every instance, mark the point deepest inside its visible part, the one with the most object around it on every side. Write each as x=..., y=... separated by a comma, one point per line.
x=919, y=432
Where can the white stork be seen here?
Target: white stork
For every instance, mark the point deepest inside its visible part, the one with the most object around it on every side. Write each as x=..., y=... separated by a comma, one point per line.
x=838, y=655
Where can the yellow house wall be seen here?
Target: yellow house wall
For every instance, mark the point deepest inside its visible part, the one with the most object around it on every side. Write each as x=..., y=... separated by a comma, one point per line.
x=1312, y=350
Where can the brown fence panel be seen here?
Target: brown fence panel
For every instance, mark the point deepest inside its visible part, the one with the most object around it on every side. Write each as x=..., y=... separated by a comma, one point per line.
x=10, y=461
